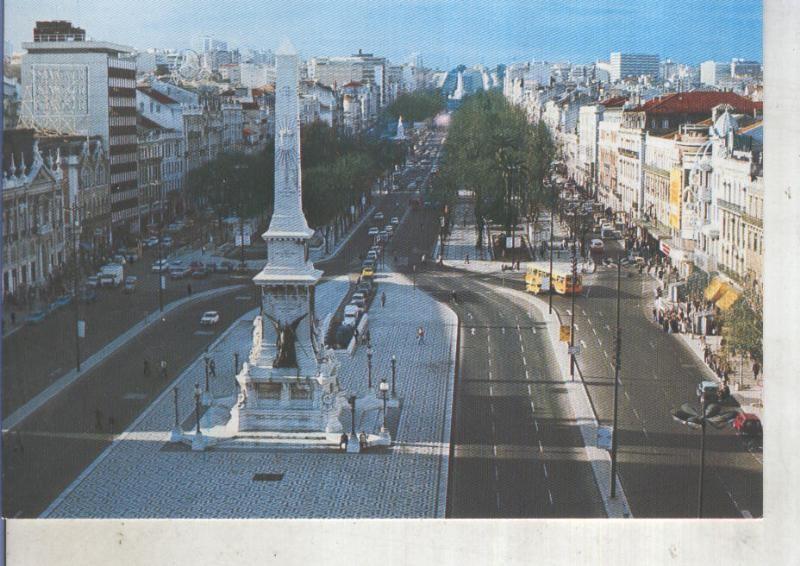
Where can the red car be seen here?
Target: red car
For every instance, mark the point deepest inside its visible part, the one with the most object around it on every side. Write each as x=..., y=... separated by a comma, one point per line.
x=747, y=424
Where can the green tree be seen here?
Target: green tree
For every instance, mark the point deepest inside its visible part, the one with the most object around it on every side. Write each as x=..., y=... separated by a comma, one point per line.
x=742, y=328
x=417, y=106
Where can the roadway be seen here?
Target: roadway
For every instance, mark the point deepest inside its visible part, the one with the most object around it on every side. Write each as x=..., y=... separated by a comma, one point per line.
x=658, y=457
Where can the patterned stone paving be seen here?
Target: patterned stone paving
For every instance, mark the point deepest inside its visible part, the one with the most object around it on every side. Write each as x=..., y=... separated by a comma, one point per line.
x=137, y=477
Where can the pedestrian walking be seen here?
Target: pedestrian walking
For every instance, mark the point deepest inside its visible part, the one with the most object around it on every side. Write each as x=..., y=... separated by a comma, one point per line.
x=163, y=368
x=146, y=368
x=189, y=289
x=212, y=367
x=420, y=335
x=383, y=299
x=466, y=258
x=756, y=369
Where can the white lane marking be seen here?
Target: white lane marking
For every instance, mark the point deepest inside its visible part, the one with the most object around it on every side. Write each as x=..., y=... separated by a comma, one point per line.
x=599, y=313
x=527, y=376
x=576, y=327
x=584, y=312
x=489, y=360
x=628, y=397
x=491, y=408
x=589, y=320
x=583, y=343
x=644, y=430
x=550, y=495
x=536, y=426
x=496, y=474
x=594, y=331
x=534, y=329
x=529, y=391
x=503, y=329
x=635, y=412
x=533, y=409
x=487, y=335
x=522, y=347
x=599, y=341
x=473, y=331
x=524, y=361
x=653, y=346
x=203, y=333
x=605, y=354
x=469, y=315
x=494, y=450
x=608, y=328
x=545, y=470
x=491, y=391
x=541, y=449
x=490, y=375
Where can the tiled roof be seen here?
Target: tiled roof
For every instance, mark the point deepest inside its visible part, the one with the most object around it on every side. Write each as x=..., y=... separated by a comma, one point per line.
x=147, y=123
x=155, y=95
x=697, y=102
x=614, y=102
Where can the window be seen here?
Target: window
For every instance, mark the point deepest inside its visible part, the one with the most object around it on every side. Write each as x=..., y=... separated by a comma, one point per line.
x=269, y=390
x=299, y=391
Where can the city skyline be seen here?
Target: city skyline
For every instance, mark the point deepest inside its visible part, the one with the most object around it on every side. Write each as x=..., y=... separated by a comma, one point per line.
x=477, y=33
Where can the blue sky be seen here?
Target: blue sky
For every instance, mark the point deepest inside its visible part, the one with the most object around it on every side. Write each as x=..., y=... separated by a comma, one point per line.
x=444, y=32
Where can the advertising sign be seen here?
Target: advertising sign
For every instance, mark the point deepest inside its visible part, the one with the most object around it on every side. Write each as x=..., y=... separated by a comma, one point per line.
x=81, y=329
x=675, y=188
x=564, y=333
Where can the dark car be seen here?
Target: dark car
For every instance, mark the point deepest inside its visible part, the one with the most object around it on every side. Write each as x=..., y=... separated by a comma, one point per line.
x=747, y=424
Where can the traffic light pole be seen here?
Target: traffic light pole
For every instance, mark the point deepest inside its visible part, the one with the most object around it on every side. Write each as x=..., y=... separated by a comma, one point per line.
x=617, y=361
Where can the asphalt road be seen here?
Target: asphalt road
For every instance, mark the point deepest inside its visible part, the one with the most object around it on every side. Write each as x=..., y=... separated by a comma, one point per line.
x=36, y=355
x=658, y=457
x=49, y=449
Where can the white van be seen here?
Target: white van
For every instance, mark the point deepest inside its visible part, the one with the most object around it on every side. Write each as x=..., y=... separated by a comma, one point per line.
x=351, y=313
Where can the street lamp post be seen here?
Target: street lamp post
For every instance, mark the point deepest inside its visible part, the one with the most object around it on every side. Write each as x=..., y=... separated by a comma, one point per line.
x=352, y=401
x=197, y=394
x=414, y=269
x=76, y=229
x=394, y=375
x=617, y=362
x=384, y=387
x=572, y=316
x=369, y=367
x=552, y=216
x=708, y=413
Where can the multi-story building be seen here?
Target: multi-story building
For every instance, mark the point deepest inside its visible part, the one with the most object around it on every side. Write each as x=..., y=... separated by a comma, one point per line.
x=151, y=192
x=317, y=102
x=358, y=68
x=742, y=69
x=624, y=65
x=73, y=86
x=713, y=72
x=86, y=171
x=608, y=154
x=232, y=125
x=33, y=213
x=589, y=119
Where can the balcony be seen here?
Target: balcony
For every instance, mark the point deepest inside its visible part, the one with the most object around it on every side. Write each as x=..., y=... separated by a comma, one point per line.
x=729, y=206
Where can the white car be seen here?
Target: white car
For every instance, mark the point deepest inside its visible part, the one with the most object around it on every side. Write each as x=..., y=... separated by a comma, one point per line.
x=372, y=254
x=151, y=242
x=373, y=231
x=379, y=216
x=597, y=245
x=209, y=318
x=395, y=221
x=160, y=266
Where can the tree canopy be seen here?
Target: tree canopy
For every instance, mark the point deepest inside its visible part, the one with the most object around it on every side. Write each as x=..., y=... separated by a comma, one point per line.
x=417, y=106
x=492, y=150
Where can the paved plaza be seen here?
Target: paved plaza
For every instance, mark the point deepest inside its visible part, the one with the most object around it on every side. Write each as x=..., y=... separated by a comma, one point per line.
x=142, y=475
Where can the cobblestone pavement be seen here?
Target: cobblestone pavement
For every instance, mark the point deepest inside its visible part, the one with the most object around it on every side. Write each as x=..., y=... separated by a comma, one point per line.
x=141, y=475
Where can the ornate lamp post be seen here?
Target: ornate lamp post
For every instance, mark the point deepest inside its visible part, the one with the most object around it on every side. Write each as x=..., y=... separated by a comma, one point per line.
x=691, y=417
x=197, y=394
x=207, y=392
x=394, y=375
x=369, y=367
x=384, y=387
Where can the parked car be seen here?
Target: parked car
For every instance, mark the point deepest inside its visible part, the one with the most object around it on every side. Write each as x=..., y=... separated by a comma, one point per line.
x=383, y=235
x=199, y=272
x=36, y=317
x=711, y=391
x=359, y=300
x=373, y=231
x=209, y=318
x=120, y=259
x=351, y=314
x=151, y=242
x=179, y=271
x=166, y=241
x=111, y=275
x=378, y=216
x=365, y=287
x=372, y=254
x=395, y=221
x=747, y=424
x=368, y=271
x=93, y=281
x=160, y=266
x=130, y=284
x=596, y=246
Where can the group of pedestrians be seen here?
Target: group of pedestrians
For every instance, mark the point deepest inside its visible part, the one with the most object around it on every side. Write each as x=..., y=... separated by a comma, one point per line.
x=682, y=318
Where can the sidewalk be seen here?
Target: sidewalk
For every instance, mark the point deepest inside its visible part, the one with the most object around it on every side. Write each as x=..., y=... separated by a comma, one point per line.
x=141, y=475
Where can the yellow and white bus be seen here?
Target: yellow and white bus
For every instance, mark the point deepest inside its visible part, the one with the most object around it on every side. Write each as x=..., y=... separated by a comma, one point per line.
x=538, y=274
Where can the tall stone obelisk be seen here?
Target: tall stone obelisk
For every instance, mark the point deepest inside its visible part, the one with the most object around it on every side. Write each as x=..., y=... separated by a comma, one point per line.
x=289, y=381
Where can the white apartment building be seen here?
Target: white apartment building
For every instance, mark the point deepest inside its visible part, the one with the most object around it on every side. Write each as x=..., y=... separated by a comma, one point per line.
x=623, y=65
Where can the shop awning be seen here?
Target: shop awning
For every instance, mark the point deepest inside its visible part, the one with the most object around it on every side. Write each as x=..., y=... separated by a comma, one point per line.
x=714, y=290
x=728, y=298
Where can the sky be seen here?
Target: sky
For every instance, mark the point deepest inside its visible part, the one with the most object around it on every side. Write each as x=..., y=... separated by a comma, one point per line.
x=445, y=33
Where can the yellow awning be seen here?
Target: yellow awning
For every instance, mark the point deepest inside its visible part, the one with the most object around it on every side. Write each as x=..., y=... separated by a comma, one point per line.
x=714, y=289
x=726, y=301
